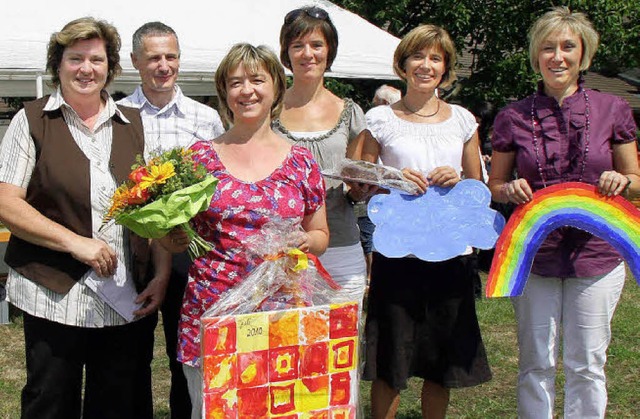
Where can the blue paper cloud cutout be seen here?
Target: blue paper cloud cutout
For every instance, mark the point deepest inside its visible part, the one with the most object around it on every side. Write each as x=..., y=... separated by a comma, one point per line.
x=437, y=225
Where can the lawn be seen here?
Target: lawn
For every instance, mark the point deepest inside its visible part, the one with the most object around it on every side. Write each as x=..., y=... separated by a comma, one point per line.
x=495, y=399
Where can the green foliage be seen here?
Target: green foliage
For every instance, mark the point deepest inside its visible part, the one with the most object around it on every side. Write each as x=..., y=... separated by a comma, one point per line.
x=493, y=35
x=187, y=171
x=360, y=90
x=339, y=88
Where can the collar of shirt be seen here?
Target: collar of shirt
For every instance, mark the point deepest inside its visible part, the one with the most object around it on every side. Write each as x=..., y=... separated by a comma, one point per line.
x=56, y=101
x=139, y=100
x=548, y=105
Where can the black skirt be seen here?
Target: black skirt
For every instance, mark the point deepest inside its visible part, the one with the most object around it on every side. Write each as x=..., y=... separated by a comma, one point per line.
x=421, y=322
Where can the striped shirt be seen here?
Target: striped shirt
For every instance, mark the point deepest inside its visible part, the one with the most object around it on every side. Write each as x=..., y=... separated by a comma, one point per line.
x=80, y=306
x=180, y=123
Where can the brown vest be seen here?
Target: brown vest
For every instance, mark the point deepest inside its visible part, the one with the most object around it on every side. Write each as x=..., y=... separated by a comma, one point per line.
x=60, y=189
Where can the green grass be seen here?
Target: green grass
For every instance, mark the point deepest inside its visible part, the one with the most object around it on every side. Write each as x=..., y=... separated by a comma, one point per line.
x=495, y=399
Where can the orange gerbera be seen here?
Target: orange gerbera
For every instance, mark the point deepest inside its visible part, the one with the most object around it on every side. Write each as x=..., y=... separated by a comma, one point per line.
x=137, y=175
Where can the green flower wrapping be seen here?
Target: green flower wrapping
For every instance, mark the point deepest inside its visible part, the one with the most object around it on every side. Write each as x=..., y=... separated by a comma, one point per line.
x=156, y=219
x=162, y=194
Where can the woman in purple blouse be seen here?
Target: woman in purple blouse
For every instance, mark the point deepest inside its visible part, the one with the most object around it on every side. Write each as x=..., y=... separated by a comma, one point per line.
x=565, y=133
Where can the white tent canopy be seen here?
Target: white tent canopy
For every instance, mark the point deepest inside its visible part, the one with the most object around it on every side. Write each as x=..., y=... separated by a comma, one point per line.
x=206, y=30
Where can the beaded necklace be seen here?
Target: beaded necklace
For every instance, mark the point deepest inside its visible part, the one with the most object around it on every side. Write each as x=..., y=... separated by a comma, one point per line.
x=586, y=136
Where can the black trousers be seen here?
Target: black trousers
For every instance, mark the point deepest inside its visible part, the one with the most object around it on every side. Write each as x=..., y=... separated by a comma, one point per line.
x=116, y=362
x=179, y=401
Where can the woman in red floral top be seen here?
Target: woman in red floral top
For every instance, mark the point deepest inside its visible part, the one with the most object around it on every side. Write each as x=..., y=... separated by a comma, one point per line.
x=261, y=177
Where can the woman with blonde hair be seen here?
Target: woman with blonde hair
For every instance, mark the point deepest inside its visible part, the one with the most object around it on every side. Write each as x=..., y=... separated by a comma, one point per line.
x=565, y=132
x=261, y=177
x=421, y=319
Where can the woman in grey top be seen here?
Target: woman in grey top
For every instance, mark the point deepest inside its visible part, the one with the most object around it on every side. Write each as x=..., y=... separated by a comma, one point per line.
x=327, y=125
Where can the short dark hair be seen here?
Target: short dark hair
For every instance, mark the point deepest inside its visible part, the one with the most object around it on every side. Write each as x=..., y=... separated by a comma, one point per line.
x=151, y=29
x=303, y=21
x=83, y=29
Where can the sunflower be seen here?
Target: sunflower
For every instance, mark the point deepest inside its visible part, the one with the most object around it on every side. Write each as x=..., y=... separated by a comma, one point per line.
x=158, y=174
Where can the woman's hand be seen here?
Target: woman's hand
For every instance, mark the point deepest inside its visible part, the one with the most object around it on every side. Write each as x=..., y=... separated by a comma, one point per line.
x=177, y=241
x=517, y=191
x=612, y=183
x=300, y=240
x=95, y=253
x=444, y=176
x=417, y=178
x=316, y=236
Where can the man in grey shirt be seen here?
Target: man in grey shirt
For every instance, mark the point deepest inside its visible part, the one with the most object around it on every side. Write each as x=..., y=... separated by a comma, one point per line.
x=170, y=120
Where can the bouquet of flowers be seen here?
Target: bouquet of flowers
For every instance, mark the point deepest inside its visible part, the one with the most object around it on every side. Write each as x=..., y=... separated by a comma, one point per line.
x=166, y=192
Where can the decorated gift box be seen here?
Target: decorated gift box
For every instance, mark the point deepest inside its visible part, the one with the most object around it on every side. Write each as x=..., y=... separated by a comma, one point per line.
x=293, y=363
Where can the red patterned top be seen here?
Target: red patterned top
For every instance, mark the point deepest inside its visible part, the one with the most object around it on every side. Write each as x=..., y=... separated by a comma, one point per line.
x=238, y=210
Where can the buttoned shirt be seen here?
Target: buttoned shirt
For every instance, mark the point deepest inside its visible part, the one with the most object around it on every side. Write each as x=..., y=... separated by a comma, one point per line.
x=80, y=306
x=560, y=152
x=180, y=123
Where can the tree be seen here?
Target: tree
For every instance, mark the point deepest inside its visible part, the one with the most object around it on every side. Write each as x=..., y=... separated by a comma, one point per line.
x=494, y=34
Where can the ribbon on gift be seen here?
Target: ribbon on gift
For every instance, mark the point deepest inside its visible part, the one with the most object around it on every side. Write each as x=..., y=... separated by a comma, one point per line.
x=300, y=261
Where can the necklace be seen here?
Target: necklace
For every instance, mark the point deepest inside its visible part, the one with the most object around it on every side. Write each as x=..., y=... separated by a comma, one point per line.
x=419, y=114
x=534, y=139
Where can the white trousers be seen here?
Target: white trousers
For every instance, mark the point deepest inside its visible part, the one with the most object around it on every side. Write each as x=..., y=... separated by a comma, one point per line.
x=194, y=383
x=583, y=309
x=348, y=268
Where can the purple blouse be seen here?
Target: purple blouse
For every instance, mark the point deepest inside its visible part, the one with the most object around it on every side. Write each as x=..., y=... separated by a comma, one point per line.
x=560, y=133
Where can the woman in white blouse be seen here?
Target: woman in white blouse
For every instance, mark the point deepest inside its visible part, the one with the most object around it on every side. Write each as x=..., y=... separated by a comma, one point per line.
x=421, y=319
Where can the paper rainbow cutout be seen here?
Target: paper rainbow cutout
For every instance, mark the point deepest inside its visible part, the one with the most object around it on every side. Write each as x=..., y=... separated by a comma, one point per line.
x=574, y=204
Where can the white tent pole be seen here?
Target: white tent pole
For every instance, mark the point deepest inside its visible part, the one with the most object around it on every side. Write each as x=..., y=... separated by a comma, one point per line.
x=39, y=87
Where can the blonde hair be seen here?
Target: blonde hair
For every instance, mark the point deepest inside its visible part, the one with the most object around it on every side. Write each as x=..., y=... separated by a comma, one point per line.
x=83, y=29
x=253, y=59
x=426, y=36
x=555, y=20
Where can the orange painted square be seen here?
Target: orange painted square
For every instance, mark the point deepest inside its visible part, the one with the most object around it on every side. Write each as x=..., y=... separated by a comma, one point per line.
x=340, y=388
x=220, y=404
x=282, y=398
x=284, y=328
x=219, y=335
x=343, y=321
x=219, y=372
x=343, y=412
x=316, y=414
x=314, y=359
x=286, y=417
x=253, y=402
x=284, y=363
x=314, y=326
x=342, y=355
x=253, y=369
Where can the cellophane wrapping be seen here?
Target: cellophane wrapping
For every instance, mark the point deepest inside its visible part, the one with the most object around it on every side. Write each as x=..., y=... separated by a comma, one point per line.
x=283, y=342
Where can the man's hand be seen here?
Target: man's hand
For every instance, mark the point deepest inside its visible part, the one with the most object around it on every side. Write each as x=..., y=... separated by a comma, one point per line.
x=152, y=296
